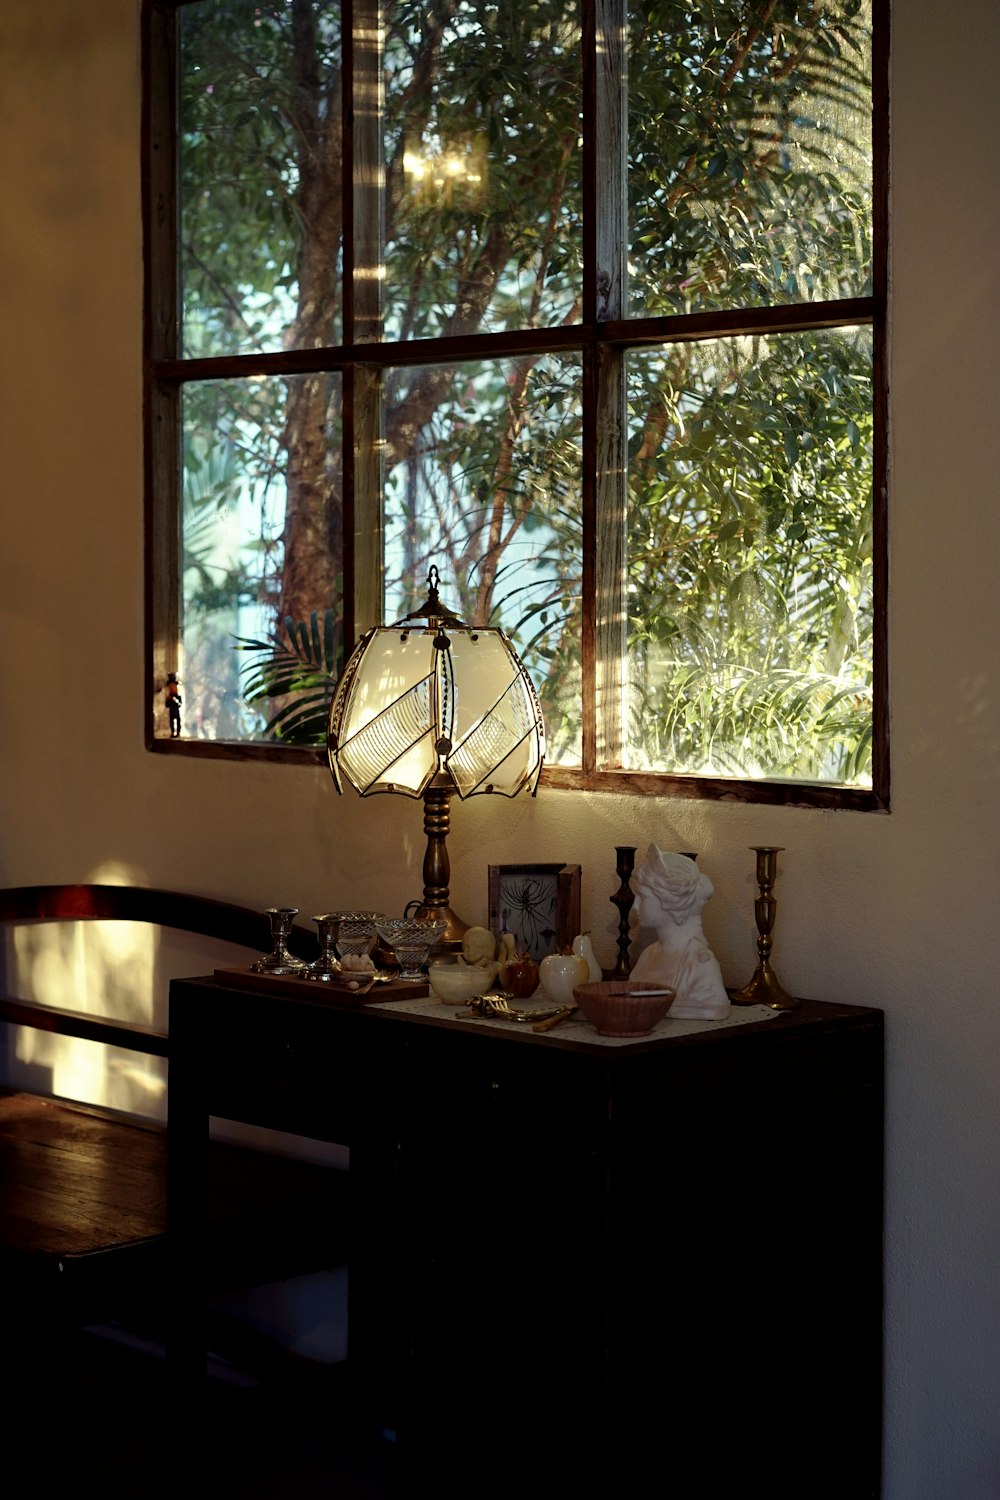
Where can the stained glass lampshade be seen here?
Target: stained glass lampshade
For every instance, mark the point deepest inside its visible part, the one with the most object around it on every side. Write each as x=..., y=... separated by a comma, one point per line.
x=429, y=707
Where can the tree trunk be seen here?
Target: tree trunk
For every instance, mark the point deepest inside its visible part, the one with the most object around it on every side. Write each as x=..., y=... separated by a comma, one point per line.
x=313, y=533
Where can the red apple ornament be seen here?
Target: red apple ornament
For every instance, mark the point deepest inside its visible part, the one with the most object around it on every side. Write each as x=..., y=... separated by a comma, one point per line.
x=519, y=976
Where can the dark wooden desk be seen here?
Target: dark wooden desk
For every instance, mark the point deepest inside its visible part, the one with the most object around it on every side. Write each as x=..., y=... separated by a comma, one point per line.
x=576, y=1266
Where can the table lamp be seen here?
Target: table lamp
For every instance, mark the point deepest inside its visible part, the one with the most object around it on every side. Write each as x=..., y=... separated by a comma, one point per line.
x=429, y=707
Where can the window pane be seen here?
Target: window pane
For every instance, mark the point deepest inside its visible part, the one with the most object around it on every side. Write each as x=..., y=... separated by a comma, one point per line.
x=246, y=515
x=749, y=558
x=483, y=167
x=483, y=481
x=729, y=163
x=749, y=153
x=260, y=193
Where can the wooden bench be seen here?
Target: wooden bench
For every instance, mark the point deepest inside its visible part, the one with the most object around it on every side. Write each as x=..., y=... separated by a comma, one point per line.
x=83, y=1186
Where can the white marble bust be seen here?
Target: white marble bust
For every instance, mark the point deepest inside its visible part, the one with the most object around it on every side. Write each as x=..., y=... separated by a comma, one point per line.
x=670, y=893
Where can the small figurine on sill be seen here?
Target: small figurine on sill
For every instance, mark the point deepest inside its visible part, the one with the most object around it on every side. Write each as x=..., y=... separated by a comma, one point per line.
x=172, y=694
x=670, y=894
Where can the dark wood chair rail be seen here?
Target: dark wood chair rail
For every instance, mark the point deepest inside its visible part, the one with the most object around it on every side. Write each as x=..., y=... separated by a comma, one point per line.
x=200, y=915
x=76, y=1023
x=204, y=915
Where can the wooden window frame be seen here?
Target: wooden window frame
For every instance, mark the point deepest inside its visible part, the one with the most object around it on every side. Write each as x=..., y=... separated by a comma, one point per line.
x=602, y=340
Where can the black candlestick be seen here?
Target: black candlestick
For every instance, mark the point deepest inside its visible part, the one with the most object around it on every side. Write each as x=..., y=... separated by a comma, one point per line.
x=623, y=898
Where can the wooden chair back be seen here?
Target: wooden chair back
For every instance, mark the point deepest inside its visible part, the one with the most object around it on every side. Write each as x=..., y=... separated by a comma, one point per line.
x=83, y=1188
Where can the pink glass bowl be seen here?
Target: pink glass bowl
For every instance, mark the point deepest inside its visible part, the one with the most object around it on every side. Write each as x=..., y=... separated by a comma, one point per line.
x=622, y=1007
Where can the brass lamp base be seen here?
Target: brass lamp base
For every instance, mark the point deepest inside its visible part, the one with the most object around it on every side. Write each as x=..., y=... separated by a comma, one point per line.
x=450, y=940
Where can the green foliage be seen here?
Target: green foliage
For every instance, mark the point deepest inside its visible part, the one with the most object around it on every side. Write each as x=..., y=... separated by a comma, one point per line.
x=495, y=90
x=299, y=668
x=750, y=558
x=749, y=130
x=508, y=436
x=749, y=487
x=230, y=458
x=252, y=78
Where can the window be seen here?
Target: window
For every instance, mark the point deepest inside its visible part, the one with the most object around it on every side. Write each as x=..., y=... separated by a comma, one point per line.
x=582, y=302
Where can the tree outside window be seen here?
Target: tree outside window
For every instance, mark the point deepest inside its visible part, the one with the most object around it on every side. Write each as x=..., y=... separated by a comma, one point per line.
x=582, y=304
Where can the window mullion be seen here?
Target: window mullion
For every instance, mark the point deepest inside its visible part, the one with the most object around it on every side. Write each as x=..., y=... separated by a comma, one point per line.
x=607, y=581
x=364, y=538
x=162, y=406
x=610, y=128
x=365, y=414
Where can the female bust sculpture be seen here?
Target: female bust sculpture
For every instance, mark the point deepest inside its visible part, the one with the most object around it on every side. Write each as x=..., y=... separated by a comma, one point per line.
x=670, y=893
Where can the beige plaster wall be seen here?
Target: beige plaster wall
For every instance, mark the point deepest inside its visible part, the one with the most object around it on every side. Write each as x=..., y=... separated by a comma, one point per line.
x=898, y=911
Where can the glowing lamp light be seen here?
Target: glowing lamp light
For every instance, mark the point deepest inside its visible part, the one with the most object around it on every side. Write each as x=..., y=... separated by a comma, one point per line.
x=430, y=707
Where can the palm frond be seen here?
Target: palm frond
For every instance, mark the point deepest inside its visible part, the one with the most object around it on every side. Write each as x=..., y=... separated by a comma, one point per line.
x=297, y=670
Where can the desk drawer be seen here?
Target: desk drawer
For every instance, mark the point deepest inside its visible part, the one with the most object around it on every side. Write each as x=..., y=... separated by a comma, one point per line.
x=281, y=1066
x=495, y=1084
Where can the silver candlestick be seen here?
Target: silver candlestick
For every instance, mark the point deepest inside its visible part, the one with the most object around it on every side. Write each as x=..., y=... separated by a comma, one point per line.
x=280, y=961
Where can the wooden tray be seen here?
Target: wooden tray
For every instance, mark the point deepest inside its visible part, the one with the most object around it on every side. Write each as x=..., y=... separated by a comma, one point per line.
x=321, y=989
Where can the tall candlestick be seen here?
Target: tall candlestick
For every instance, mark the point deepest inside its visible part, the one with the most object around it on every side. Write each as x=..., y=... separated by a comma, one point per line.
x=764, y=988
x=623, y=898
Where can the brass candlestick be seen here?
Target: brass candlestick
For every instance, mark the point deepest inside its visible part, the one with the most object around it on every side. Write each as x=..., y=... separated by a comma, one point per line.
x=764, y=988
x=623, y=898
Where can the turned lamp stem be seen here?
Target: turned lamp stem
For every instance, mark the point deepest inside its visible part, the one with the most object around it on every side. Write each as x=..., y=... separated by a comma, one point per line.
x=437, y=867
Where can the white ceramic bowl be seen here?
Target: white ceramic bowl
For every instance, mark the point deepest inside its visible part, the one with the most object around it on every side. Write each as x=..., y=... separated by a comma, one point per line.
x=454, y=983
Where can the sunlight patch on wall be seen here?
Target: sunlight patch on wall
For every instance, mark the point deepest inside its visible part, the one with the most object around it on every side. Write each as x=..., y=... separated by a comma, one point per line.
x=100, y=968
x=116, y=872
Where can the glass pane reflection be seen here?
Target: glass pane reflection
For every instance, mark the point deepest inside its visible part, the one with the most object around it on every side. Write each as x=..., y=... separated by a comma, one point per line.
x=749, y=154
x=253, y=499
x=483, y=168
x=483, y=481
x=749, y=570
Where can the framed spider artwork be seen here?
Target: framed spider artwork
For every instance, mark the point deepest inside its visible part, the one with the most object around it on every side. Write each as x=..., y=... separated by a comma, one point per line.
x=539, y=904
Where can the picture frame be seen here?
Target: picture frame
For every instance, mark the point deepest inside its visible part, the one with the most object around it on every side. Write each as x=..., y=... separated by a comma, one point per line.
x=538, y=903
